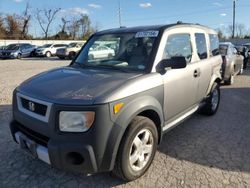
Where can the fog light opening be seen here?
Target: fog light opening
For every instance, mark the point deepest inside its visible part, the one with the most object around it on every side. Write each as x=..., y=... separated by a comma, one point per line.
x=74, y=158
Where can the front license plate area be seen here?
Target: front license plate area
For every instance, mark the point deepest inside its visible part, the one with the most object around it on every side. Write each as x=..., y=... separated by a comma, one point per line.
x=28, y=145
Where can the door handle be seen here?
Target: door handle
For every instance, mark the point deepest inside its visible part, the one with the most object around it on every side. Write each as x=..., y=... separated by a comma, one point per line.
x=197, y=73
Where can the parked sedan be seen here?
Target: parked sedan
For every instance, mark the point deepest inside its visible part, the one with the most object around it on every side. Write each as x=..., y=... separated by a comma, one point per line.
x=69, y=52
x=232, y=62
x=243, y=50
x=101, y=52
x=2, y=47
x=18, y=51
x=49, y=50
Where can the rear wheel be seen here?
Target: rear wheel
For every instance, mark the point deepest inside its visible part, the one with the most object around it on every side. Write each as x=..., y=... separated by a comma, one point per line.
x=137, y=149
x=230, y=81
x=241, y=70
x=72, y=55
x=212, y=102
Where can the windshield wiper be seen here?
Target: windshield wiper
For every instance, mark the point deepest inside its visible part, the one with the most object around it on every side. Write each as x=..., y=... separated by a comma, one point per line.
x=112, y=67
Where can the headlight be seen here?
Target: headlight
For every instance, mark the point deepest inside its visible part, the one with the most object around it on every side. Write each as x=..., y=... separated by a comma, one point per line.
x=76, y=121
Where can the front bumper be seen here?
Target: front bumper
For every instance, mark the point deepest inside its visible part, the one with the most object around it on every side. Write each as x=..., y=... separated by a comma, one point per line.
x=40, y=53
x=8, y=56
x=62, y=154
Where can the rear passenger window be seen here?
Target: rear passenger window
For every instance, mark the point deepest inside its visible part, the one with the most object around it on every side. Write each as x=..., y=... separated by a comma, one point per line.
x=201, y=45
x=214, y=45
x=178, y=45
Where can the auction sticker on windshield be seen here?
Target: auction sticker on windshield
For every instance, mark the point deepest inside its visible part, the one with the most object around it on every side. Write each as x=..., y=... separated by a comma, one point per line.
x=143, y=34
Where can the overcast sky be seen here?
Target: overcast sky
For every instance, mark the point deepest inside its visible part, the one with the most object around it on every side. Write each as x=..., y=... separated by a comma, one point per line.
x=213, y=13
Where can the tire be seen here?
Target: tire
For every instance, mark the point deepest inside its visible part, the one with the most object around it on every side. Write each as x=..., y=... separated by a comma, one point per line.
x=48, y=54
x=230, y=81
x=62, y=58
x=133, y=144
x=72, y=55
x=212, y=102
x=110, y=56
x=91, y=57
x=19, y=56
x=241, y=70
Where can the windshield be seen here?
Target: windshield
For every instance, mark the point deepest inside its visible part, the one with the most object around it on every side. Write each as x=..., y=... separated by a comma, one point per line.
x=72, y=45
x=46, y=46
x=128, y=51
x=12, y=47
x=223, y=49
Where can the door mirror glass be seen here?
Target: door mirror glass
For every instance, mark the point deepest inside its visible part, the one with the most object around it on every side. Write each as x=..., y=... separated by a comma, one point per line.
x=177, y=62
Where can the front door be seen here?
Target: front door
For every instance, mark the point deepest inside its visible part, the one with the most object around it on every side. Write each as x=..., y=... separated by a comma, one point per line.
x=180, y=85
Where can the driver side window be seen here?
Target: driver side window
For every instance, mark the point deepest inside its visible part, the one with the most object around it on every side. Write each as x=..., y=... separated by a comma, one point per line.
x=178, y=45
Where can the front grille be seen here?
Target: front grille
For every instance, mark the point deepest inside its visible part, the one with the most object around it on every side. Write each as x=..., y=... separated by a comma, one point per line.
x=34, y=107
x=38, y=138
x=6, y=53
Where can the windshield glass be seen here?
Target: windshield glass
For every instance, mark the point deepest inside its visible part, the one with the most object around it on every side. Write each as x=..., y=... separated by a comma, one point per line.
x=71, y=45
x=223, y=49
x=12, y=47
x=46, y=45
x=127, y=51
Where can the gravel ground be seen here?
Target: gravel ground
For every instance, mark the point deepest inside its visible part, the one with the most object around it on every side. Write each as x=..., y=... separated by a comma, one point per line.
x=202, y=152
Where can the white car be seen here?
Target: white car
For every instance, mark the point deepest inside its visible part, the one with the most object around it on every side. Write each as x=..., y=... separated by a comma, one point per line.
x=101, y=52
x=49, y=50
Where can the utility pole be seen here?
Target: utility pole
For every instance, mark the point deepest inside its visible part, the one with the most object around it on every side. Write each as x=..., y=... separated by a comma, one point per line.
x=120, y=16
x=233, y=34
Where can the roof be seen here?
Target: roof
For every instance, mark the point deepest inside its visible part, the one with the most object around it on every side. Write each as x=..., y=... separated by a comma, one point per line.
x=148, y=28
x=226, y=43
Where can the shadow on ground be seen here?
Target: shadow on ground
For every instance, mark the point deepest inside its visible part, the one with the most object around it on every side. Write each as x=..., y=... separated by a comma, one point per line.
x=221, y=141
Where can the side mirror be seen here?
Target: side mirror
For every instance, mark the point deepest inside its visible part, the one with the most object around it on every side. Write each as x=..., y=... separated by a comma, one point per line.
x=178, y=62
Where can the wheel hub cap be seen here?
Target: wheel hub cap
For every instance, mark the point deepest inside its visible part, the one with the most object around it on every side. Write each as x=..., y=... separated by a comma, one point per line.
x=141, y=150
x=215, y=99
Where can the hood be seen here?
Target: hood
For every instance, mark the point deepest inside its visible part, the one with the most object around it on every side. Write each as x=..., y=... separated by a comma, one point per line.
x=74, y=86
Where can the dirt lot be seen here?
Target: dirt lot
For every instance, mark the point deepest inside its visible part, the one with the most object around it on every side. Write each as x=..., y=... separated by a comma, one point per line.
x=202, y=152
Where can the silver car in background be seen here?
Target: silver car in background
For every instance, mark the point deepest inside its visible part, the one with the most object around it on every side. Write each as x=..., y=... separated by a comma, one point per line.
x=232, y=62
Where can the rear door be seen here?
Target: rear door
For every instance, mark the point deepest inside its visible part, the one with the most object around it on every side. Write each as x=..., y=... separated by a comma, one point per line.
x=204, y=61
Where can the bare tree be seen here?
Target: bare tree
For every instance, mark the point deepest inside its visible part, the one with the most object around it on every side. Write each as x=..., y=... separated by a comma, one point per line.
x=2, y=28
x=74, y=28
x=13, y=26
x=220, y=34
x=64, y=24
x=240, y=30
x=85, y=25
x=26, y=17
x=45, y=17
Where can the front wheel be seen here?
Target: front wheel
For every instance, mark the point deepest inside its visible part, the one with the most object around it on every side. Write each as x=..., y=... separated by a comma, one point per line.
x=212, y=102
x=19, y=56
x=48, y=54
x=137, y=149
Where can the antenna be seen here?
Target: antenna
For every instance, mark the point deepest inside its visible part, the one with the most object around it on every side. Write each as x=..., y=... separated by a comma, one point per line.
x=120, y=15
